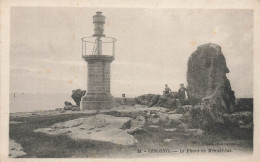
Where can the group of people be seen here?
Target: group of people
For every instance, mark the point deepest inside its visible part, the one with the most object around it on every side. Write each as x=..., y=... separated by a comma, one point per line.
x=182, y=93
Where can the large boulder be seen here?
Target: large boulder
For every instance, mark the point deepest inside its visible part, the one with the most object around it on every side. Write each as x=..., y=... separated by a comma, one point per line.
x=68, y=105
x=169, y=100
x=175, y=119
x=103, y=128
x=168, y=103
x=154, y=100
x=162, y=101
x=136, y=124
x=77, y=95
x=146, y=99
x=208, y=83
x=171, y=95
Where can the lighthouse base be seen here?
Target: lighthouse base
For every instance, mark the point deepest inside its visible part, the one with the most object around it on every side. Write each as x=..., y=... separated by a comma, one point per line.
x=97, y=101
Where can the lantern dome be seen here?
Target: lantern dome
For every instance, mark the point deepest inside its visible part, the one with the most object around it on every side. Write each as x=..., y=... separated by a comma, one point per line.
x=99, y=21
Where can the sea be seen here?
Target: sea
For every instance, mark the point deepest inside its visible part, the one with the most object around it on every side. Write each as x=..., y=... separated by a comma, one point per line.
x=37, y=102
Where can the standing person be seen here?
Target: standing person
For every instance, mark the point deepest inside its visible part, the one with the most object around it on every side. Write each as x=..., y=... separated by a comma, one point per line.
x=182, y=94
x=124, y=99
x=166, y=90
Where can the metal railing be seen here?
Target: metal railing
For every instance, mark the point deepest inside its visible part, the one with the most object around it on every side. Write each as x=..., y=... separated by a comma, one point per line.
x=89, y=45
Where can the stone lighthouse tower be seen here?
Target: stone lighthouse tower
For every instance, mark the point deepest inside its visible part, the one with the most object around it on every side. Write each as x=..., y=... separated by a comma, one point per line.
x=98, y=83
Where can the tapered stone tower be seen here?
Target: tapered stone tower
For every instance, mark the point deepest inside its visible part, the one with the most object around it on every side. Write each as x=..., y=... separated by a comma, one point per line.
x=98, y=94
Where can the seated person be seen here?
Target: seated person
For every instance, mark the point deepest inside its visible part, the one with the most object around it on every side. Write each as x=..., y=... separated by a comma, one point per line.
x=167, y=89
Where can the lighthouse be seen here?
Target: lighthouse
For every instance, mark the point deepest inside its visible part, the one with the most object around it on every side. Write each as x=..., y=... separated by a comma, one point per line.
x=99, y=52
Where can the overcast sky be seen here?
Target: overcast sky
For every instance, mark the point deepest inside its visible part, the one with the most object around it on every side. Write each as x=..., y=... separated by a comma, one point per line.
x=152, y=48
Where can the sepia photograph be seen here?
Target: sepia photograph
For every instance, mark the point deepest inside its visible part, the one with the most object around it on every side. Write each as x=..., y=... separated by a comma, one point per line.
x=100, y=82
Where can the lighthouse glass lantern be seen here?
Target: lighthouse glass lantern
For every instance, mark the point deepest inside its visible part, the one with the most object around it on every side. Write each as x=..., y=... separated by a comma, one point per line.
x=99, y=52
x=99, y=21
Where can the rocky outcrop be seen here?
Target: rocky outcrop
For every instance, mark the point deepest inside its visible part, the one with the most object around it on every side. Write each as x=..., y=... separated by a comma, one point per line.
x=77, y=95
x=145, y=99
x=242, y=119
x=104, y=128
x=136, y=125
x=171, y=95
x=164, y=118
x=208, y=84
x=169, y=100
x=154, y=100
x=201, y=117
x=183, y=109
x=244, y=104
x=67, y=105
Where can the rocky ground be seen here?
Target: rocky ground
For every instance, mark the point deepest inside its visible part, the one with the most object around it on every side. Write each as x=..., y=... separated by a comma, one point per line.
x=119, y=132
x=100, y=127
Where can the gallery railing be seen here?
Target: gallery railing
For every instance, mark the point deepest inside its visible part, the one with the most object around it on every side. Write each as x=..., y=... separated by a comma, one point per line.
x=98, y=46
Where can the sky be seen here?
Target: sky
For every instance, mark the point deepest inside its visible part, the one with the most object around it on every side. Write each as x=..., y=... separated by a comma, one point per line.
x=152, y=47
